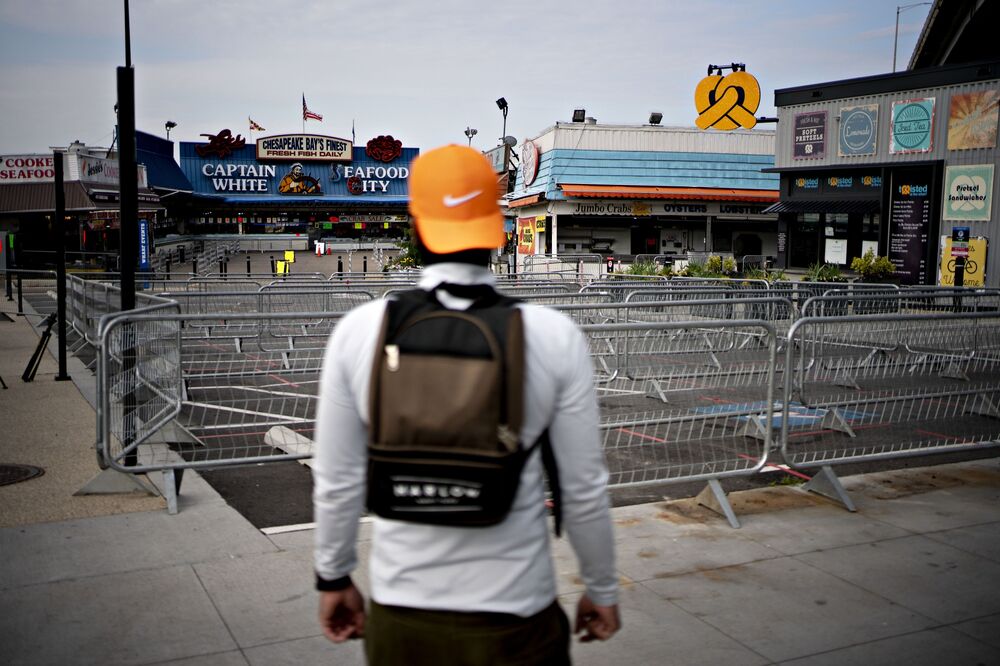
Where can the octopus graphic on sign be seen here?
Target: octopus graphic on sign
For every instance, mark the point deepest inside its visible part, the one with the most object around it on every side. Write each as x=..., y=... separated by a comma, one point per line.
x=727, y=102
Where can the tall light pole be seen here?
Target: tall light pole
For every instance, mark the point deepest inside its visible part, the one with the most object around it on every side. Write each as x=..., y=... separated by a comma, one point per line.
x=502, y=105
x=169, y=125
x=469, y=132
x=895, y=40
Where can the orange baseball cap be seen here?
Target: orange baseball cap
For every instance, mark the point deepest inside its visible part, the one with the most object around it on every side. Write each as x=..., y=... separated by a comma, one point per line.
x=453, y=200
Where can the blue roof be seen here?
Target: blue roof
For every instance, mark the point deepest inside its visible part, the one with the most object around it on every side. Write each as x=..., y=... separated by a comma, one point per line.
x=650, y=169
x=157, y=155
x=289, y=200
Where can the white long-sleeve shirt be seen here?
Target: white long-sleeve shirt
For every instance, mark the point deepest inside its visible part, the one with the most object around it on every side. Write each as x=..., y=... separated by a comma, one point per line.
x=502, y=568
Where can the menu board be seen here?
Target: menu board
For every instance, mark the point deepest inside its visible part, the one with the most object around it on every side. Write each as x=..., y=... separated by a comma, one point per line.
x=909, y=227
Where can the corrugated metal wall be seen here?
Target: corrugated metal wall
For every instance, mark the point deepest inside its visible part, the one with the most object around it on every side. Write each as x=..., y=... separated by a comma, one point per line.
x=578, y=136
x=939, y=151
x=650, y=156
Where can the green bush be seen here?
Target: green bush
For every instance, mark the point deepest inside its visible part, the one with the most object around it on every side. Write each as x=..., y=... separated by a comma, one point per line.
x=642, y=268
x=764, y=274
x=870, y=267
x=823, y=273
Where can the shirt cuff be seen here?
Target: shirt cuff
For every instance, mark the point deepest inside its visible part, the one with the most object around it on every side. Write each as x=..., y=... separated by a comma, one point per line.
x=334, y=585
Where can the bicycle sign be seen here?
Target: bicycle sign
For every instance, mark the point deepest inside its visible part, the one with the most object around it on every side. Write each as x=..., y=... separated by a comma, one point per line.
x=974, y=273
x=971, y=267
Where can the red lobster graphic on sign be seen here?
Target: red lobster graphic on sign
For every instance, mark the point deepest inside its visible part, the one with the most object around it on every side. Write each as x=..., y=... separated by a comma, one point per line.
x=221, y=145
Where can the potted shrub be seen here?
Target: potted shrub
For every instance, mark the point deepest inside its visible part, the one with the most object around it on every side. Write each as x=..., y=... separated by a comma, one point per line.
x=824, y=275
x=872, y=268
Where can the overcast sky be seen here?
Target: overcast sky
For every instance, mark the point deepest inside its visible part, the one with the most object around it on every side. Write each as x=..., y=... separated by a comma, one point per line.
x=421, y=70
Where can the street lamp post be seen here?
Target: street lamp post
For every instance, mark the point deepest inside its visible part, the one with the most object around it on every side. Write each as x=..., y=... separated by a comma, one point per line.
x=469, y=132
x=169, y=125
x=895, y=40
x=502, y=105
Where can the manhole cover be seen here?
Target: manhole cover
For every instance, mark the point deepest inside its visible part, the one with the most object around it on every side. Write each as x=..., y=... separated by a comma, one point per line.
x=10, y=473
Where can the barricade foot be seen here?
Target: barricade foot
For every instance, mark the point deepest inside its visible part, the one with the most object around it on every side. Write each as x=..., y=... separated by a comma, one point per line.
x=285, y=439
x=833, y=420
x=112, y=482
x=827, y=484
x=983, y=406
x=754, y=427
x=714, y=497
x=172, y=488
x=656, y=391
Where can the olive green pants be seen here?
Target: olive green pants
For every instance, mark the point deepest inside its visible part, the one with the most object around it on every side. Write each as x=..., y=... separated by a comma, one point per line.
x=396, y=636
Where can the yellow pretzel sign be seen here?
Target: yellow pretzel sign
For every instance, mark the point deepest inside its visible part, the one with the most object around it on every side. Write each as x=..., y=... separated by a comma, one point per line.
x=727, y=102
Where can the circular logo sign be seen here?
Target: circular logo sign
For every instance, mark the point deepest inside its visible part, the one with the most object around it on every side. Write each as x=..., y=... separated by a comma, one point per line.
x=911, y=127
x=857, y=130
x=529, y=162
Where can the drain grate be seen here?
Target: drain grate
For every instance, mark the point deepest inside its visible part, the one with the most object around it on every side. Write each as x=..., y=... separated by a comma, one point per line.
x=11, y=473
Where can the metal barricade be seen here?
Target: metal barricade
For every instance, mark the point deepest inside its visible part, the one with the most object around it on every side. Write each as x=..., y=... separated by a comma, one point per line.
x=709, y=431
x=869, y=387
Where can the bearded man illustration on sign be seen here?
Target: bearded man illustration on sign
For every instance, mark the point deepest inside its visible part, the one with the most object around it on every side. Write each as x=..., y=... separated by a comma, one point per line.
x=297, y=182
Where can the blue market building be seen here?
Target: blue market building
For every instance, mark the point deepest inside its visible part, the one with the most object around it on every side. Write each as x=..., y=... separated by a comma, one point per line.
x=301, y=184
x=626, y=191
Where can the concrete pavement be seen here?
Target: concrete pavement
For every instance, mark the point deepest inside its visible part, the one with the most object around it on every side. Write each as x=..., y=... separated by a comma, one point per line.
x=913, y=577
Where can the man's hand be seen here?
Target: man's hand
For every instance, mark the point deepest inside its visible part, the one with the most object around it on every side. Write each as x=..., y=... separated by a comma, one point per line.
x=342, y=614
x=600, y=622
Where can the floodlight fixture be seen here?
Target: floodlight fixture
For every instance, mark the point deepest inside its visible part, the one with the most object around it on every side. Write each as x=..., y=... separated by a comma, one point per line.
x=655, y=117
x=579, y=115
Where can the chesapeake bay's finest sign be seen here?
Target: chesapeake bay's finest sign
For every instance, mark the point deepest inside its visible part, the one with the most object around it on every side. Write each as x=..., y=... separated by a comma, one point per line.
x=912, y=126
x=809, y=135
x=304, y=147
x=968, y=192
x=858, y=129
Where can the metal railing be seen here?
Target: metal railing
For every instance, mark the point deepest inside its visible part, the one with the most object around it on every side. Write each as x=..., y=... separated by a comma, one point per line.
x=686, y=375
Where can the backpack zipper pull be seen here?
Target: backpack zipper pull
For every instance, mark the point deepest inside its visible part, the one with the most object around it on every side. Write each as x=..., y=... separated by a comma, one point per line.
x=507, y=437
x=392, y=357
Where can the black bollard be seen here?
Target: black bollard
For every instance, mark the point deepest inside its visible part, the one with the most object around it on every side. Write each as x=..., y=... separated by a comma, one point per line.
x=180, y=252
x=340, y=264
x=168, y=265
x=194, y=265
x=248, y=264
x=222, y=267
x=364, y=264
x=272, y=265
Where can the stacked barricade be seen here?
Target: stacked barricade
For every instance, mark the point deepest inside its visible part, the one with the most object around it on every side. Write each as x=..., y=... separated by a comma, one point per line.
x=888, y=385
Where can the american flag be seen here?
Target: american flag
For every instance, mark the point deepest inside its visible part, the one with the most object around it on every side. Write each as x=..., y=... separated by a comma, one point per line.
x=254, y=127
x=306, y=113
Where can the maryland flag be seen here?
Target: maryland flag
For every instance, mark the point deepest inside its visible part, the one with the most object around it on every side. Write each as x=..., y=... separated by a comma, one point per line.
x=254, y=127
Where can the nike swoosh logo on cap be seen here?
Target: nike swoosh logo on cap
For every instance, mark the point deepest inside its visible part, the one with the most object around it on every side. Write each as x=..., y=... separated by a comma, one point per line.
x=450, y=201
